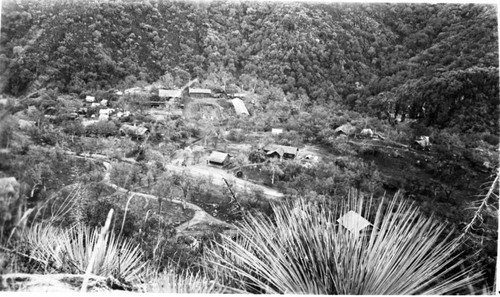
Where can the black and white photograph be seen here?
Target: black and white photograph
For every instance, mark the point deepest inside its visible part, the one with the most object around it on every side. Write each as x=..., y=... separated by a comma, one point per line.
x=249, y=147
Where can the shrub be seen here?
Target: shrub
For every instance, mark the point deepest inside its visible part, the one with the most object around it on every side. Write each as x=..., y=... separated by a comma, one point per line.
x=236, y=135
x=70, y=250
x=304, y=251
x=102, y=128
x=491, y=139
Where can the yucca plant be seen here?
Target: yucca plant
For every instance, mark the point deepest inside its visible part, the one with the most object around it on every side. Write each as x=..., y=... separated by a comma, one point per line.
x=303, y=250
x=170, y=281
x=70, y=250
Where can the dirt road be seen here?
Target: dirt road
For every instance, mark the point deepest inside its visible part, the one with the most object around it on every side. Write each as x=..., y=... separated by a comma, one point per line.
x=217, y=175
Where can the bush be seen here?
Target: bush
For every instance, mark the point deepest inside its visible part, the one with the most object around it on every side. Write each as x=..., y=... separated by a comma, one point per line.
x=102, y=128
x=236, y=135
x=303, y=250
x=491, y=139
x=70, y=250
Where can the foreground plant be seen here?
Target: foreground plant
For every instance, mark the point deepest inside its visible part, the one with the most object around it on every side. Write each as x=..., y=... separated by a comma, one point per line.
x=304, y=251
x=170, y=281
x=70, y=250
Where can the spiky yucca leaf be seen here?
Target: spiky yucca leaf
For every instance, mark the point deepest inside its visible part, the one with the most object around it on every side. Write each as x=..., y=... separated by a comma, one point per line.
x=304, y=250
x=70, y=250
x=187, y=282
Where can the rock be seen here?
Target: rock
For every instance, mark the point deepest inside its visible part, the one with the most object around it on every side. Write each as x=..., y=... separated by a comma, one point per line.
x=22, y=282
x=9, y=200
x=9, y=188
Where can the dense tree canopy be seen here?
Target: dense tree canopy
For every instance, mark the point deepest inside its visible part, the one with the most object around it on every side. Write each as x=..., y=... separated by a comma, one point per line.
x=427, y=61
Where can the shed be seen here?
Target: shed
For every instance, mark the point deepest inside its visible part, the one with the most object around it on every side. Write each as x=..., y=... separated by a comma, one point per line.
x=353, y=222
x=239, y=106
x=90, y=99
x=200, y=93
x=423, y=142
x=169, y=93
x=218, y=158
x=276, y=131
x=346, y=129
x=366, y=132
x=281, y=151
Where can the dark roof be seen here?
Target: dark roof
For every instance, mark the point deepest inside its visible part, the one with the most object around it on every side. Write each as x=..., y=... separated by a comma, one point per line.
x=280, y=149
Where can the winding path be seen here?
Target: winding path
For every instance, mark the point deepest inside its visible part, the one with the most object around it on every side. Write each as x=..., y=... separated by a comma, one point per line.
x=200, y=216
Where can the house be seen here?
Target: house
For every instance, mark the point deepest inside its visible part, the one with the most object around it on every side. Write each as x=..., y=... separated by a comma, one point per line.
x=104, y=102
x=346, y=129
x=276, y=131
x=280, y=151
x=95, y=104
x=353, y=222
x=104, y=114
x=169, y=94
x=4, y=102
x=200, y=93
x=134, y=131
x=239, y=106
x=90, y=99
x=218, y=159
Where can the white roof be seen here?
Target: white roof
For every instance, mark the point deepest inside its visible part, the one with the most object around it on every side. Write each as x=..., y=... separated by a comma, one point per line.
x=169, y=93
x=353, y=222
x=90, y=99
x=218, y=157
x=239, y=106
x=199, y=91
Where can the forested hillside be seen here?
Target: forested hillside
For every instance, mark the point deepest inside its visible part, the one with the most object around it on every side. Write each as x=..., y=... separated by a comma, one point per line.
x=382, y=58
x=220, y=144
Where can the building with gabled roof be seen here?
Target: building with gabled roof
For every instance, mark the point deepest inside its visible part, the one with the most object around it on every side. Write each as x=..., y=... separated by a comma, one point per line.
x=170, y=93
x=239, y=106
x=200, y=93
x=346, y=129
x=218, y=158
x=354, y=222
x=280, y=151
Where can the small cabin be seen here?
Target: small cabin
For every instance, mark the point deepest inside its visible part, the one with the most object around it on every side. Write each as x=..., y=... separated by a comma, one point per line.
x=219, y=159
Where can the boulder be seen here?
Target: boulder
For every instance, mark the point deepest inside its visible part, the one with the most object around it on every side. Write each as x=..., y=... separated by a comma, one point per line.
x=22, y=282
